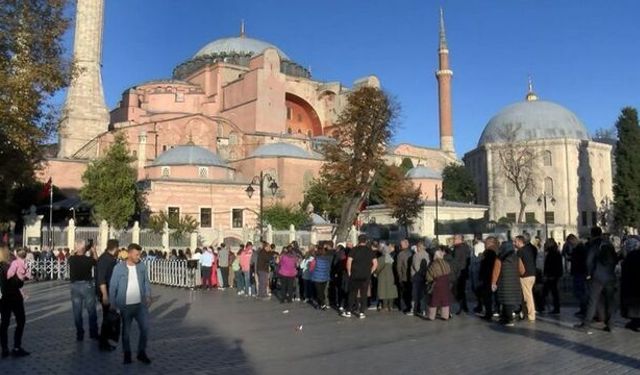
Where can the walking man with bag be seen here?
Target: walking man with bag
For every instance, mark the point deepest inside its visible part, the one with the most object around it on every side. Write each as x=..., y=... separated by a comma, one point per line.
x=131, y=293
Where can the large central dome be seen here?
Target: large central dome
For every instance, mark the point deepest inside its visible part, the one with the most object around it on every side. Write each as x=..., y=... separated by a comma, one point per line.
x=239, y=44
x=534, y=119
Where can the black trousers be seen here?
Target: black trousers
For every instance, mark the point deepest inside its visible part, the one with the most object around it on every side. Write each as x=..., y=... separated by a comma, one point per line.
x=225, y=276
x=321, y=292
x=461, y=291
x=15, y=306
x=487, y=301
x=358, y=303
x=104, y=340
x=551, y=285
x=405, y=290
x=605, y=292
x=287, y=288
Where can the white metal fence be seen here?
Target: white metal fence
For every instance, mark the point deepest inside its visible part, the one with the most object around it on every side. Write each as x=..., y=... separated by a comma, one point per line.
x=48, y=269
x=177, y=273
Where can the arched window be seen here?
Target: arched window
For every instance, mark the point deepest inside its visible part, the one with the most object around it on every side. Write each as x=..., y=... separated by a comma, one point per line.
x=548, y=185
x=547, y=158
x=166, y=171
x=220, y=130
x=203, y=172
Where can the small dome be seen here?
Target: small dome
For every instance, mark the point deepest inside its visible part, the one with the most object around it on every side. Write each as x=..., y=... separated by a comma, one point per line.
x=239, y=44
x=189, y=155
x=423, y=172
x=283, y=149
x=534, y=119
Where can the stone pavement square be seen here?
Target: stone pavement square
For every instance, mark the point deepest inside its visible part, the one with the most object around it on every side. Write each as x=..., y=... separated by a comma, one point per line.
x=217, y=332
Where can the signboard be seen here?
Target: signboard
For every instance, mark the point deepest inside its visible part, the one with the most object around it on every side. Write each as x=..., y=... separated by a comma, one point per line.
x=33, y=241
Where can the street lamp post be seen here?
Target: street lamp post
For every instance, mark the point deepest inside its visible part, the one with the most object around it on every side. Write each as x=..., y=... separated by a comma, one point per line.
x=542, y=200
x=604, y=208
x=260, y=180
x=435, y=229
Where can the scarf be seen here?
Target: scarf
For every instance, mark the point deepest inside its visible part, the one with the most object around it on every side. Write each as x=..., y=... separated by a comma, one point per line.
x=387, y=255
x=438, y=268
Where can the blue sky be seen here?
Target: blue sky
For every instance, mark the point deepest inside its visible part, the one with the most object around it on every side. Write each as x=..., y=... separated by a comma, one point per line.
x=582, y=54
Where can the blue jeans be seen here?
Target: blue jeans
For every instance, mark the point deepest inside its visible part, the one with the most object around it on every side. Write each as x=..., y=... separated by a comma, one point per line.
x=419, y=296
x=83, y=296
x=239, y=280
x=140, y=313
x=247, y=282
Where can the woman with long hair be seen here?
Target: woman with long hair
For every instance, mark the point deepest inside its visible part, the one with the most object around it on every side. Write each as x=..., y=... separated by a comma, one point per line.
x=12, y=303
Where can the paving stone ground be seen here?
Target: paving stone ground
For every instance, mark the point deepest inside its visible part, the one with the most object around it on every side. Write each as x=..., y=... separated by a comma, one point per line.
x=217, y=332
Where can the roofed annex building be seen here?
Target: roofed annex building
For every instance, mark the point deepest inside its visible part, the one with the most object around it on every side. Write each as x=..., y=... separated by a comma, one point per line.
x=569, y=168
x=238, y=107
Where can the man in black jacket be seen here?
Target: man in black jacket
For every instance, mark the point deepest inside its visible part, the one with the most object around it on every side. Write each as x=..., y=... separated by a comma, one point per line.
x=579, y=273
x=104, y=269
x=601, y=265
x=462, y=256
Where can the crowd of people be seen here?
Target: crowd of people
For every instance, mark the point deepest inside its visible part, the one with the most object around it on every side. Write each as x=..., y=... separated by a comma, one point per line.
x=511, y=280
x=119, y=283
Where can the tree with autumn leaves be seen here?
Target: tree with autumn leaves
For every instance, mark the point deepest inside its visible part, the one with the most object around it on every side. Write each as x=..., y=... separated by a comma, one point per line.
x=363, y=131
x=33, y=68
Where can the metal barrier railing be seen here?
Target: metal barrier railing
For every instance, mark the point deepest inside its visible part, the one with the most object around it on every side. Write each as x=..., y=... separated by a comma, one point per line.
x=176, y=273
x=48, y=269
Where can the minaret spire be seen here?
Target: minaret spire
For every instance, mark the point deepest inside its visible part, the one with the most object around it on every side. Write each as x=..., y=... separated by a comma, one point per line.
x=531, y=95
x=443, y=36
x=443, y=75
x=242, y=32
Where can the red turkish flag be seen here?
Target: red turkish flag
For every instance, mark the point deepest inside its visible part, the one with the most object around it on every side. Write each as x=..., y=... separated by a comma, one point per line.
x=46, y=190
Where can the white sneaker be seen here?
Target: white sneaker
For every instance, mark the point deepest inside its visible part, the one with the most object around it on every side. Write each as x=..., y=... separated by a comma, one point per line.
x=345, y=314
x=241, y=293
x=361, y=316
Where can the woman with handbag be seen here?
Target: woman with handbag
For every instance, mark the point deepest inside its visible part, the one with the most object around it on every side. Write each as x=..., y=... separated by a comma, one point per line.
x=12, y=303
x=438, y=286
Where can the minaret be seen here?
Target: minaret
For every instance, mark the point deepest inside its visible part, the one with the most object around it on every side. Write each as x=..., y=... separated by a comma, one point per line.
x=85, y=114
x=443, y=75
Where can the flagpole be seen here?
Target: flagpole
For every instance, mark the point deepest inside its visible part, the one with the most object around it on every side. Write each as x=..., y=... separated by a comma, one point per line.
x=51, y=214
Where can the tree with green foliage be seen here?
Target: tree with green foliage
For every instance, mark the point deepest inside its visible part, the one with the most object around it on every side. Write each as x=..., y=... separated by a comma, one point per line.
x=110, y=185
x=317, y=193
x=362, y=132
x=406, y=165
x=626, y=182
x=281, y=216
x=180, y=225
x=33, y=68
x=458, y=184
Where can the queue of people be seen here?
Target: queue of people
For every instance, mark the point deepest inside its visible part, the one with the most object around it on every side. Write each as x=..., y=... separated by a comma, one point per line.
x=432, y=281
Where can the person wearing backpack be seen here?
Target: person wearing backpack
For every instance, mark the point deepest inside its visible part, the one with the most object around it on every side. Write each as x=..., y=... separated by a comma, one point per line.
x=12, y=303
x=601, y=265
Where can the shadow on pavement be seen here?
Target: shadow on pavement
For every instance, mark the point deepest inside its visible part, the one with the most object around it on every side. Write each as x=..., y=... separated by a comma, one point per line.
x=175, y=344
x=563, y=343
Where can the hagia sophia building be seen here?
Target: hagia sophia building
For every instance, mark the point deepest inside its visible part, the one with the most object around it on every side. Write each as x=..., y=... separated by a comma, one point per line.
x=241, y=106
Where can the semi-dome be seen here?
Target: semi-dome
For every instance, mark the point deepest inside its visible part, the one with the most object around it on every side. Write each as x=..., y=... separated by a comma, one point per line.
x=423, y=172
x=241, y=44
x=533, y=119
x=281, y=149
x=189, y=154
